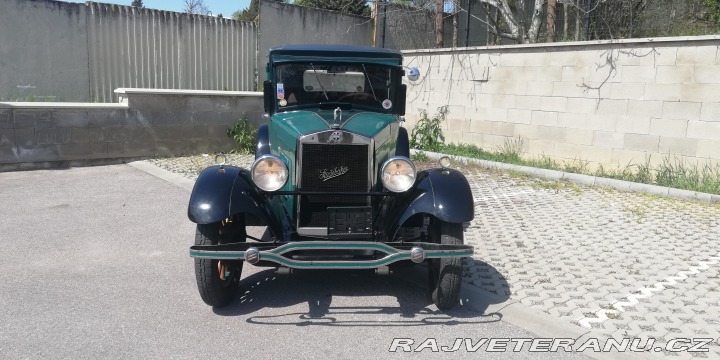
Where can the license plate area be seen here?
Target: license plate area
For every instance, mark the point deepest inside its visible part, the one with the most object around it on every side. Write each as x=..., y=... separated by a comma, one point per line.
x=349, y=222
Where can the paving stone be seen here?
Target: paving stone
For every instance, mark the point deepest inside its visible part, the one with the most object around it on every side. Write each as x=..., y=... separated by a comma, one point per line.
x=570, y=251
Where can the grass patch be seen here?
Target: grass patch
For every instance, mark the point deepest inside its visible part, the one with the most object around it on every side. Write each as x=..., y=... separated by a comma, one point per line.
x=520, y=175
x=672, y=172
x=638, y=211
x=508, y=154
x=554, y=185
x=677, y=174
x=420, y=157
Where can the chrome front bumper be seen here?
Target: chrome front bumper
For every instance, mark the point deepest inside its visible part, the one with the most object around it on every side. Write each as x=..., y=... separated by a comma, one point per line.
x=278, y=253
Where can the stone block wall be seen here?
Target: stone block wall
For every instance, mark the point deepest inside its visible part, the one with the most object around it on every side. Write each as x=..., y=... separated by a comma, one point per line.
x=611, y=103
x=146, y=123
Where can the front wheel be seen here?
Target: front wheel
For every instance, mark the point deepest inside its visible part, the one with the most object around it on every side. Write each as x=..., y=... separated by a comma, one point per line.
x=217, y=280
x=446, y=273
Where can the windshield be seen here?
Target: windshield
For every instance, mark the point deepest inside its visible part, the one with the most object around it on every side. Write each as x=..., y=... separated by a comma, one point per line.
x=363, y=86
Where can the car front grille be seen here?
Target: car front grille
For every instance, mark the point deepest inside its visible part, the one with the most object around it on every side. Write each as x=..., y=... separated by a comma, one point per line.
x=332, y=168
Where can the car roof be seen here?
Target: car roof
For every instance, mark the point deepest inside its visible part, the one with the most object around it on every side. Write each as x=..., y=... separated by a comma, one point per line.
x=335, y=50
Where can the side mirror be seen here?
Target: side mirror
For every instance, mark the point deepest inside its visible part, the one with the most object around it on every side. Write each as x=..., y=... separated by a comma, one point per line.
x=268, y=98
x=413, y=74
x=400, y=102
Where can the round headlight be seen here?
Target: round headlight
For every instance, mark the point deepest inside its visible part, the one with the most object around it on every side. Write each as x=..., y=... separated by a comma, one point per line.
x=398, y=174
x=269, y=172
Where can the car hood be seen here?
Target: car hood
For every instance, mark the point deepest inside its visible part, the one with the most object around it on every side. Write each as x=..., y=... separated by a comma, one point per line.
x=298, y=123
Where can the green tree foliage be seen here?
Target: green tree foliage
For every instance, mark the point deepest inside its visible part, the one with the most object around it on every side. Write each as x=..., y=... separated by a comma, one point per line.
x=712, y=10
x=137, y=3
x=251, y=12
x=355, y=7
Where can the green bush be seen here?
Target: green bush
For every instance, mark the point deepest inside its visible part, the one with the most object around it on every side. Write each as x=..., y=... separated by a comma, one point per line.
x=243, y=133
x=427, y=133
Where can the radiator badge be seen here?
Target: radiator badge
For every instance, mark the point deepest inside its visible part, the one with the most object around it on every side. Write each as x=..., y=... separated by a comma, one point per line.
x=326, y=174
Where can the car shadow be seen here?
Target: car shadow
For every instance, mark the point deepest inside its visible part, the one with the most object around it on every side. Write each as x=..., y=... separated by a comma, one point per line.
x=318, y=289
x=489, y=286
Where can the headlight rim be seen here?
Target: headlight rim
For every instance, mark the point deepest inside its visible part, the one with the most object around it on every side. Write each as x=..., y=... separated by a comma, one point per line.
x=391, y=159
x=271, y=156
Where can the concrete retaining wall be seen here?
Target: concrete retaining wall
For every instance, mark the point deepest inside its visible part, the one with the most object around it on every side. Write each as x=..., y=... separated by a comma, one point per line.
x=146, y=123
x=610, y=103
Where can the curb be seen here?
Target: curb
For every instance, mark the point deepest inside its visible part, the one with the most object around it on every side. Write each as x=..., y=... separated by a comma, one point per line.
x=169, y=176
x=583, y=179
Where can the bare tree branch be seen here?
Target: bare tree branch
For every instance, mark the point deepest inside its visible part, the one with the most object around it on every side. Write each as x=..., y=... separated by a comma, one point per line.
x=196, y=7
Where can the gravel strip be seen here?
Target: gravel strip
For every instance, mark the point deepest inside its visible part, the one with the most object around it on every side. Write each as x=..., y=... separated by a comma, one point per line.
x=192, y=166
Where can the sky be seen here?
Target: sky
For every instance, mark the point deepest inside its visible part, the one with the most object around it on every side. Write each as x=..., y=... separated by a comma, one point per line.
x=224, y=7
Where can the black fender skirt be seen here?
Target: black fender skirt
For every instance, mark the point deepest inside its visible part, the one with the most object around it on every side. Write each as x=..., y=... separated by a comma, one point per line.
x=442, y=193
x=221, y=192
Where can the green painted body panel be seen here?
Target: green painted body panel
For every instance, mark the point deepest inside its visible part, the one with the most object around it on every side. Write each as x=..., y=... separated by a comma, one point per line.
x=368, y=124
x=286, y=127
x=290, y=125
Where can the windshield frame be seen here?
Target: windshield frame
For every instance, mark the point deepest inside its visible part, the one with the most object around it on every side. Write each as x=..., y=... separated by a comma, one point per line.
x=395, y=79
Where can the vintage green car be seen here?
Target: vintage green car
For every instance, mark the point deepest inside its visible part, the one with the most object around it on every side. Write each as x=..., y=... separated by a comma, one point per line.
x=332, y=181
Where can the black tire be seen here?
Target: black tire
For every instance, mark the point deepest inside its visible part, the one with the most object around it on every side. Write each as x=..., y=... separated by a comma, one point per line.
x=446, y=274
x=215, y=291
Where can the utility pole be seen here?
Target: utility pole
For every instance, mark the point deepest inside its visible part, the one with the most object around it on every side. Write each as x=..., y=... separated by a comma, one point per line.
x=467, y=24
x=385, y=5
x=588, y=4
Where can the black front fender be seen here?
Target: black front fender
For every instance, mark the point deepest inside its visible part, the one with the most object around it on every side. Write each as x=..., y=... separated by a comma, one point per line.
x=220, y=193
x=442, y=193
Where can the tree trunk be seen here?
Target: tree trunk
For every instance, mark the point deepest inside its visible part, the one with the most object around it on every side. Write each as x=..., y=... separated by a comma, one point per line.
x=577, y=21
x=534, y=30
x=487, y=24
x=522, y=20
x=514, y=22
x=565, y=21
x=439, y=28
x=551, y=11
x=496, y=18
x=632, y=21
x=455, y=23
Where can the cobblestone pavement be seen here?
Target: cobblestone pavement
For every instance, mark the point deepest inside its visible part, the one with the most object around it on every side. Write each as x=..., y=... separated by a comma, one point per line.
x=624, y=264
